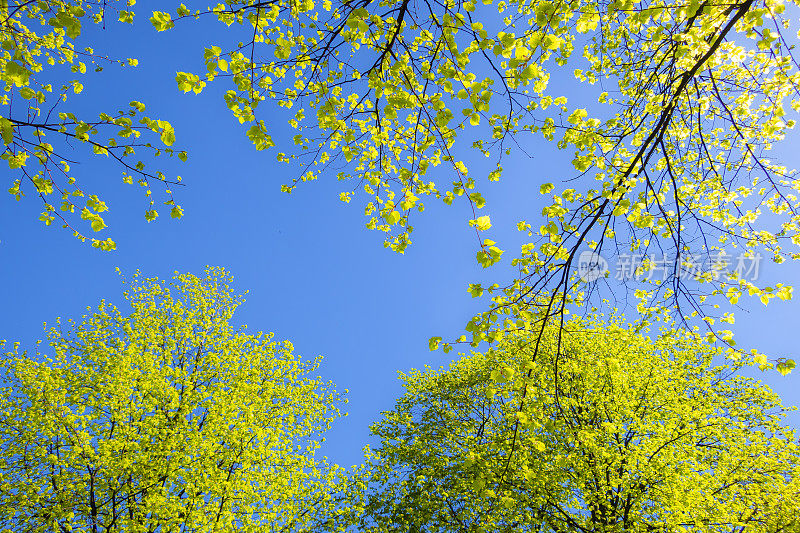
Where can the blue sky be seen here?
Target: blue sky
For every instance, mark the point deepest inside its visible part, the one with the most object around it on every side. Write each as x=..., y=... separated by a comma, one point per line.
x=316, y=276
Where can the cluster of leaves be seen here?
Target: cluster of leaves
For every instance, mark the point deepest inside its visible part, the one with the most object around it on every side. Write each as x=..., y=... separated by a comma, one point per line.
x=377, y=92
x=683, y=164
x=614, y=432
x=168, y=418
x=38, y=129
x=673, y=159
x=164, y=419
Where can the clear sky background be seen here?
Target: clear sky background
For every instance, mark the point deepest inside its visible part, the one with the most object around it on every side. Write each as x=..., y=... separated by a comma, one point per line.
x=316, y=276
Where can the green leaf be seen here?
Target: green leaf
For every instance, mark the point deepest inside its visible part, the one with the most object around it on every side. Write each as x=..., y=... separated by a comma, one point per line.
x=161, y=21
x=7, y=130
x=481, y=223
x=393, y=217
x=785, y=367
x=16, y=73
x=168, y=135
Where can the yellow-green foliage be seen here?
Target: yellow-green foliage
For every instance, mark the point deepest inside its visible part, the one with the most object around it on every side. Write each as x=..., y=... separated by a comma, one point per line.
x=680, y=105
x=616, y=433
x=164, y=417
x=40, y=69
x=384, y=89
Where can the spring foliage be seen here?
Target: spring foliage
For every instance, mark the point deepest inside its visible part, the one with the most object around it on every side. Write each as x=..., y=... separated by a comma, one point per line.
x=41, y=70
x=164, y=418
x=617, y=433
x=680, y=104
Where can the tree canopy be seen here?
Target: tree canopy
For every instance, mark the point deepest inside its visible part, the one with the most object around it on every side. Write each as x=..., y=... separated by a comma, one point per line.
x=162, y=419
x=167, y=417
x=41, y=68
x=673, y=113
x=679, y=107
x=618, y=433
